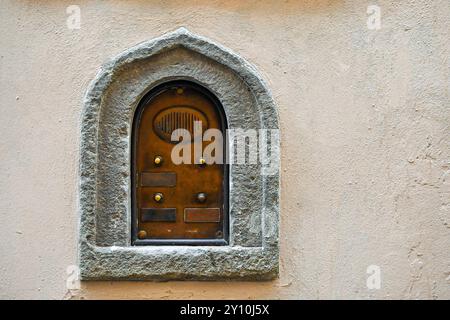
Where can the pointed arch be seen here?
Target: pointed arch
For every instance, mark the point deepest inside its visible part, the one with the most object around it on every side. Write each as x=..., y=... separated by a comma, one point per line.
x=104, y=192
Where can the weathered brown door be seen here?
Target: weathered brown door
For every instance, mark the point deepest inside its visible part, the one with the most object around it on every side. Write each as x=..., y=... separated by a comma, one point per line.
x=177, y=203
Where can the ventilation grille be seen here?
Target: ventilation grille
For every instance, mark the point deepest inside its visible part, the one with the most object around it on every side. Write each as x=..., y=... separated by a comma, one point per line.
x=178, y=117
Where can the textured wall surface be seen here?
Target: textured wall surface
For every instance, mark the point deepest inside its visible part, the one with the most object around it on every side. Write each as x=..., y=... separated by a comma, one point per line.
x=365, y=140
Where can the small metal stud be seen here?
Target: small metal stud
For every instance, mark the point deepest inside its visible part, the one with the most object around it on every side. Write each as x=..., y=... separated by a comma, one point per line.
x=158, y=160
x=202, y=161
x=180, y=90
x=158, y=197
x=142, y=234
x=201, y=197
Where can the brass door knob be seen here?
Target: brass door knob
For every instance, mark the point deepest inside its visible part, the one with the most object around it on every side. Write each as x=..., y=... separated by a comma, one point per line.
x=158, y=197
x=201, y=197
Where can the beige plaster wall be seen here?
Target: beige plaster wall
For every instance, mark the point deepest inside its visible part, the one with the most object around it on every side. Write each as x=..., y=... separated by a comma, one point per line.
x=365, y=118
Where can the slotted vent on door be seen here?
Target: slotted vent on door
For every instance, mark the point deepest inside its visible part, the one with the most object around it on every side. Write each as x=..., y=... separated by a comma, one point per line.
x=178, y=117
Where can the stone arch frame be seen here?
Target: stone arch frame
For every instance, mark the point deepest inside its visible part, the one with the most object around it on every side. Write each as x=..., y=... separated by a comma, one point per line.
x=105, y=250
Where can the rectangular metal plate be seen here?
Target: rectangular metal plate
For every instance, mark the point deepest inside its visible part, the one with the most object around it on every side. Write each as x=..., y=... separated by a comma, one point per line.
x=159, y=214
x=158, y=179
x=202, y=215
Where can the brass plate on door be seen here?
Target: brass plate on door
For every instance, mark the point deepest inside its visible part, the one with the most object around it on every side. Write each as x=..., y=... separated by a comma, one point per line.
x=158, y=179
x=201, y=214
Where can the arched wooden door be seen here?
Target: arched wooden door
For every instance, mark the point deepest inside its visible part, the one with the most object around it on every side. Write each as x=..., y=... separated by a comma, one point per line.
x=173, y=203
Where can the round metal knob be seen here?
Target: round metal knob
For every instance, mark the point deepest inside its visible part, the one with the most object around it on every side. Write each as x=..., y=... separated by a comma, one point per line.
x=201, y=197
x=158, y=197
x=201, y=161
x=142, y=234
x=158, y=160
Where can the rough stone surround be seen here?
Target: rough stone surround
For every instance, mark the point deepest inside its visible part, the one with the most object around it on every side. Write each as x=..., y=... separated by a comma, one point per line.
x=105, y=217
